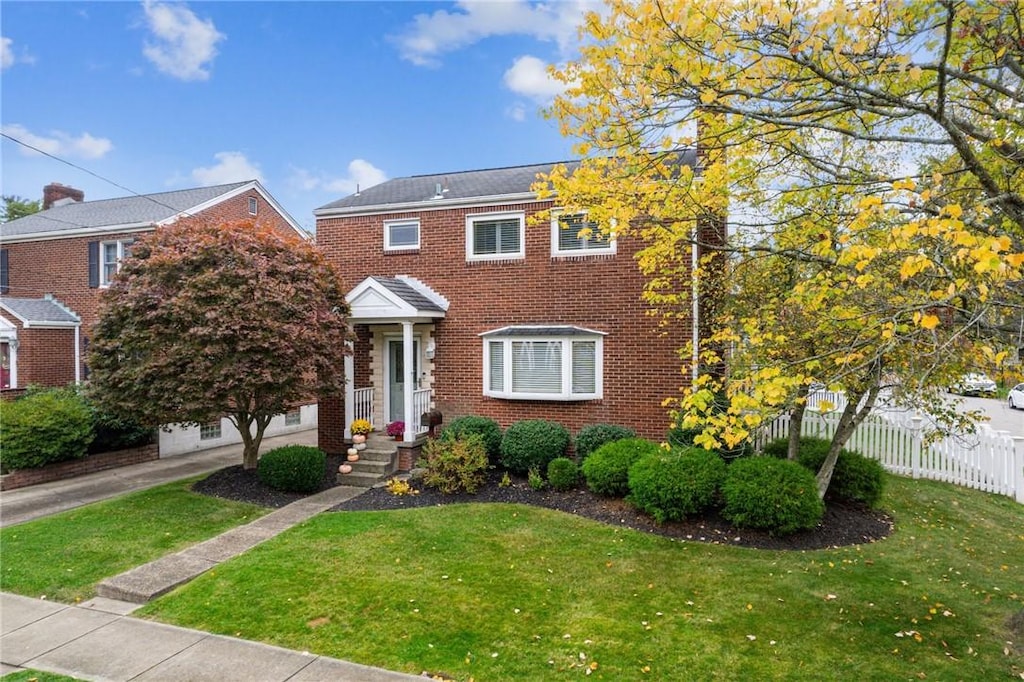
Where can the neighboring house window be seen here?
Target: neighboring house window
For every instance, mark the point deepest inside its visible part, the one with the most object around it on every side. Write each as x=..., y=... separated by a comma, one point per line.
x=105, y=260
x=5, y=272
x=556, y=363
x=253, y=205
x=401, y=234
x=567, y=241
x=210, y=431
x=293, y=417
x=495, y=236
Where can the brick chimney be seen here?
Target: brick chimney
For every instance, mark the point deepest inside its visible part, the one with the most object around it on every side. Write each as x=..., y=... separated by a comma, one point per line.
x=56, y=194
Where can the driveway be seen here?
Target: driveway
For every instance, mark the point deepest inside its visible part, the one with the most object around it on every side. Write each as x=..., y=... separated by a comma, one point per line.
x=1002, y=418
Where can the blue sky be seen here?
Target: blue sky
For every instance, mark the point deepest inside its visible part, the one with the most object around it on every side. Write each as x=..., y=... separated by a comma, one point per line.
x=309, y=97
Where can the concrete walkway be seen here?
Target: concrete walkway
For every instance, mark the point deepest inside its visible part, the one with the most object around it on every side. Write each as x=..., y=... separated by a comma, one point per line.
x=33, y=502
x=97, y=640
x=94, y=641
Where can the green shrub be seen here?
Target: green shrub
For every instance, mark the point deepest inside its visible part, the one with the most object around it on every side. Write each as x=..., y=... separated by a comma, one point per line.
x=563, y=474
x=486, y=427
x=293, y=468
x=535, y=480
x=680, y=438
x=455, y=464
x=592, y=437
x=607, y=469
x=533, y=443
x=46, y=426
x=670, y=485
x=856, y=477
x=117, y=433
x=772, y=494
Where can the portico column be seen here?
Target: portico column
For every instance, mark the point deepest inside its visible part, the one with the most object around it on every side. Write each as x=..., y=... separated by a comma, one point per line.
x=350, y=390
x=408, y=381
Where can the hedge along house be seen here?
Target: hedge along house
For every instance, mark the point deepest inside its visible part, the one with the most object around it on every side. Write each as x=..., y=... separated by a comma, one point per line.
x=460, y=303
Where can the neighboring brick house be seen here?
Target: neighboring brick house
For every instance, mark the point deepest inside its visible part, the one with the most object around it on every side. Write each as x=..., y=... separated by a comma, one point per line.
x=50, y=330
x=490, y=314
x=69, y=251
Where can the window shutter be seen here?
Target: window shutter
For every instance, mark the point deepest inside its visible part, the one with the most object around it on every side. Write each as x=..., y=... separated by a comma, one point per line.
x=536, y=366
x=94, y=265
x=584, y=367
x=5, y=276
x=496, y=353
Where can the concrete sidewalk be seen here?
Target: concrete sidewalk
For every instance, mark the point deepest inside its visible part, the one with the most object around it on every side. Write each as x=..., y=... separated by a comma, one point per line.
x=33, y=502
x=94, y=641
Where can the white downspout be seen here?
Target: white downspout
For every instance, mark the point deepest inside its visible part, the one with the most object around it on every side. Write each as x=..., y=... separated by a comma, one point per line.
x=695, y=331
x=78, y=355
x=408, y=381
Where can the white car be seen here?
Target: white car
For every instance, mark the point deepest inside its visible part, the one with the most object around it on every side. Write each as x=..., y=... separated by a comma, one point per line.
x=1016, y=397
x=974, y=383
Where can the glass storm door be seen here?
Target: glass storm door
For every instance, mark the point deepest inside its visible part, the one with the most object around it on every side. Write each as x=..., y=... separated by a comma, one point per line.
x=395, y=378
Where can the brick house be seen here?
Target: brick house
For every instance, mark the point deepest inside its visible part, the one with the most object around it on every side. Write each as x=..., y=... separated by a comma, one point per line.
x=460, y=303
x=67, y=253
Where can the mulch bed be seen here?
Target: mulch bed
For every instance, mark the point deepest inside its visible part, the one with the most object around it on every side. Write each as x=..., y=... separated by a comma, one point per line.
x=843, y=524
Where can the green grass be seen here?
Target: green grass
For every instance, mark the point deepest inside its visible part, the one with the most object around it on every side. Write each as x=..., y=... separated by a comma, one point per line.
x=64, y=556
x=36, y=676
x=505, y=592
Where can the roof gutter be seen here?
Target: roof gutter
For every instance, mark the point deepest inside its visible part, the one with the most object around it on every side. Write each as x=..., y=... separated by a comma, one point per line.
x=425, y=205
x=80, y=232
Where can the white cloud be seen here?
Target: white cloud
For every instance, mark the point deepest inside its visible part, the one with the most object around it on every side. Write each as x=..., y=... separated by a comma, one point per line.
x=59, y=143
x=528, y=76
x=230, y=167
x=8, y=58
x=431, y=35
x=361, y=174
x=516, y=112
x=183, y=45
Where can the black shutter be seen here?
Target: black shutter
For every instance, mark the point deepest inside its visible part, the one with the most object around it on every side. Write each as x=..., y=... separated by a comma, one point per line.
x=5, y=275
x=94, y=264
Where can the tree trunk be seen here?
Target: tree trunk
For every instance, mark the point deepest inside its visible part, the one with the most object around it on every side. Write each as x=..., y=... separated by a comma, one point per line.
x=251, y=442
x=796, y=421
x=848, y=423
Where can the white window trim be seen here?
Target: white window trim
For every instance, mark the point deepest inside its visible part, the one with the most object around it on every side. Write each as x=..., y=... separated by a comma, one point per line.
x=473, y=218
x=566, y=394
x=557, y=251
x=254, y=206
x=388, y=224
x=121, y=243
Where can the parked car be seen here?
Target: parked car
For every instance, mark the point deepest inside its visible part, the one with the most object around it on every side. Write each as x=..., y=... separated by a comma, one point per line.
x=1016, y=397
x=974, y=383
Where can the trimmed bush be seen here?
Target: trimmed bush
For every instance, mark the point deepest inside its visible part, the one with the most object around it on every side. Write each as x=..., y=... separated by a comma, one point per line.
x=117, y=433
x=592, y=437
x=681, y=438
x=771, y=494
x=855, y=478
x=563, y=474
x=293, y=468
x=486, y=427
x=533, y=443
x=42, y=427
x=454, y=464
x=607, y=469
x=675, y=484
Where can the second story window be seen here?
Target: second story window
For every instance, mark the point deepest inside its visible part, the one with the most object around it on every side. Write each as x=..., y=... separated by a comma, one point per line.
x=495, y=236
x=111, y=255
x=253, y=205
x=573, y=235
x=401, y=235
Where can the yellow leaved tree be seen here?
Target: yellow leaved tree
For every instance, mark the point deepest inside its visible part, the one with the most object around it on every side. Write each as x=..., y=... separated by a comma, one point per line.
x=870, y=160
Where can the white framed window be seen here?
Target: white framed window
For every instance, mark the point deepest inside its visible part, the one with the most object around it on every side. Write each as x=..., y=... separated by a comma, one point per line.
x=293, y=417
x=495, y=236
x=210, y=431
x=401, y=235
x=566, y=239
x=111, y=255
x=544, y=363
x=254, y=205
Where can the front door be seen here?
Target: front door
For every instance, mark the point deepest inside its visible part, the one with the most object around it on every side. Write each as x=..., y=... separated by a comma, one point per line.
x=395, y=370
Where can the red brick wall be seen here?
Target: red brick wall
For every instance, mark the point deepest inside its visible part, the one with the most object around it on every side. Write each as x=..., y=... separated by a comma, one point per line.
x=61, y=266
x=641, y=365
x=86, y=465
x=45, y=356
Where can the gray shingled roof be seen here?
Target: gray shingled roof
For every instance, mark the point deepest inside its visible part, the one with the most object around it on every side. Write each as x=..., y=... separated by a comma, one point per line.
x=147, y=208
x=407, y=293
x=38, y=310
x=491, y=182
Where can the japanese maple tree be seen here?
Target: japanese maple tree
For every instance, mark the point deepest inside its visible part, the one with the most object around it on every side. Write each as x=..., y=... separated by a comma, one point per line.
x=208, y=319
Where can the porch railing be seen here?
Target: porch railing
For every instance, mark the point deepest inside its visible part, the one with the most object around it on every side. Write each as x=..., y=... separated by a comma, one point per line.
x=420, y=404
x=364, y=404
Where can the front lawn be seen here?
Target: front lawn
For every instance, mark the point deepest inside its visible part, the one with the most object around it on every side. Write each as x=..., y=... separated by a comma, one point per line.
x=512, y=592
x=62, y=557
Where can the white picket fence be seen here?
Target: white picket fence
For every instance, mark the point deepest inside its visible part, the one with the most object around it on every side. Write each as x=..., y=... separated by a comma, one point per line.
x=988, y=460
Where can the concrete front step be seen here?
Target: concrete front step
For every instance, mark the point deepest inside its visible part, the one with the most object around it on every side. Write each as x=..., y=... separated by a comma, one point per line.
x=372, y=467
